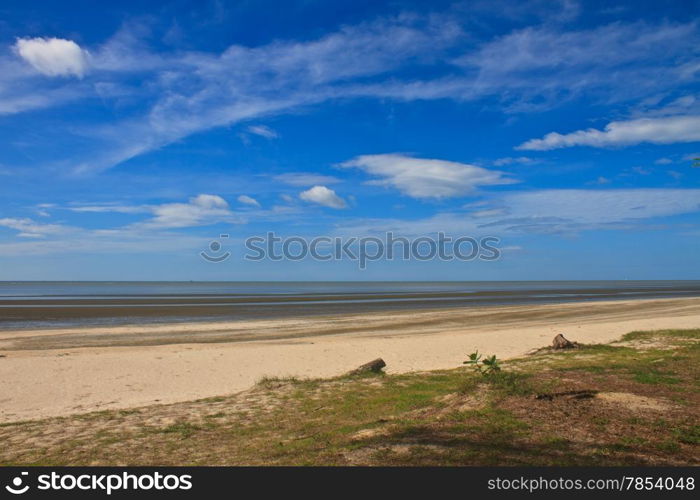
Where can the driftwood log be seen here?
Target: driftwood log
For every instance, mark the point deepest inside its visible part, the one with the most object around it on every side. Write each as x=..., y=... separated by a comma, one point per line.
x=585, y=394
x=374, y=366
x=561, y=342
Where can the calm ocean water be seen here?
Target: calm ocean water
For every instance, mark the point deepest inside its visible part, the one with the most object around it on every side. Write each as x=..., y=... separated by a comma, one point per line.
x=55, y=304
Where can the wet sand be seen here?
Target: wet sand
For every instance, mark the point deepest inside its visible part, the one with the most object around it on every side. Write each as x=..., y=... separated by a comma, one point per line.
x=54, y=305
x=54, y=372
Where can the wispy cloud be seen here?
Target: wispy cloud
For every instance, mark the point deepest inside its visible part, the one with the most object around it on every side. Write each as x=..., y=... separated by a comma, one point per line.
x=92, y=242
x=665, y=130
x=537, y=67
x=263, y=131
x=23, y=89
x=553, y=211
x=509, y=160
x=573, y=210
x=198, y=91
x=203, y=209
x=247, y=200
x=305, y=179
x=607, y=205
x=426, y=177
x=111, y=208
x=29, y=228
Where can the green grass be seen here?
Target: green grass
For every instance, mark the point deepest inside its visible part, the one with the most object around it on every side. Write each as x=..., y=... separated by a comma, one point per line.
x=689, y=434
x=675, y=335
x=183, y=429
x=655, y=377
x=510, y=383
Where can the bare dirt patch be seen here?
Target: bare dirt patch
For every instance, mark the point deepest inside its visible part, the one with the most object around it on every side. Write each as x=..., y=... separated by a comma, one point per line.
x=635, y=402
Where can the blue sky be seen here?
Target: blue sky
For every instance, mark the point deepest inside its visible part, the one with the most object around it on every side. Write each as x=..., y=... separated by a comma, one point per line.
x=135, y=134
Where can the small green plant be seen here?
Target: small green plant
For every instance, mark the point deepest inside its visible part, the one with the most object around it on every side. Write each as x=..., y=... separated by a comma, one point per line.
x=486, y=366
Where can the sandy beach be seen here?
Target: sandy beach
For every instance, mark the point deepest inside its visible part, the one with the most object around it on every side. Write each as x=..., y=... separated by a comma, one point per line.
x=59, y=372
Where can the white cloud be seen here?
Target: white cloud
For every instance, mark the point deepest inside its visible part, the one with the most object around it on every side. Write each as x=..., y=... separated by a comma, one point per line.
x=111, y=208
x=263, y=131
x=323, y=196
x=509, y=160
x=53, y=56
x=42, y=209
x=305, y=179
x=247, y=200
x=490, y=212
x=665, y=130
x=30, y=229
x=201, y=210
x=426, y=178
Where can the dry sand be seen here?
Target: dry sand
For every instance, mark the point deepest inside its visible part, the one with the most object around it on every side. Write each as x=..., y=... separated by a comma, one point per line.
x=61, y=372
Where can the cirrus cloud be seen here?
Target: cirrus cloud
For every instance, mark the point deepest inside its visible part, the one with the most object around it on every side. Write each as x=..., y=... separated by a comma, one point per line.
x=263, y=131
x=305, y=179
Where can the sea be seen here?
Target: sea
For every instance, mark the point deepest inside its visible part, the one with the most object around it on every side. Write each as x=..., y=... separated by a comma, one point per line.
x=60, y=304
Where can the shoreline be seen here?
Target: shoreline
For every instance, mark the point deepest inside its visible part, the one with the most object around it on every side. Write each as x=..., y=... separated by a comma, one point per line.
x=66, y=371
x=104, y=304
